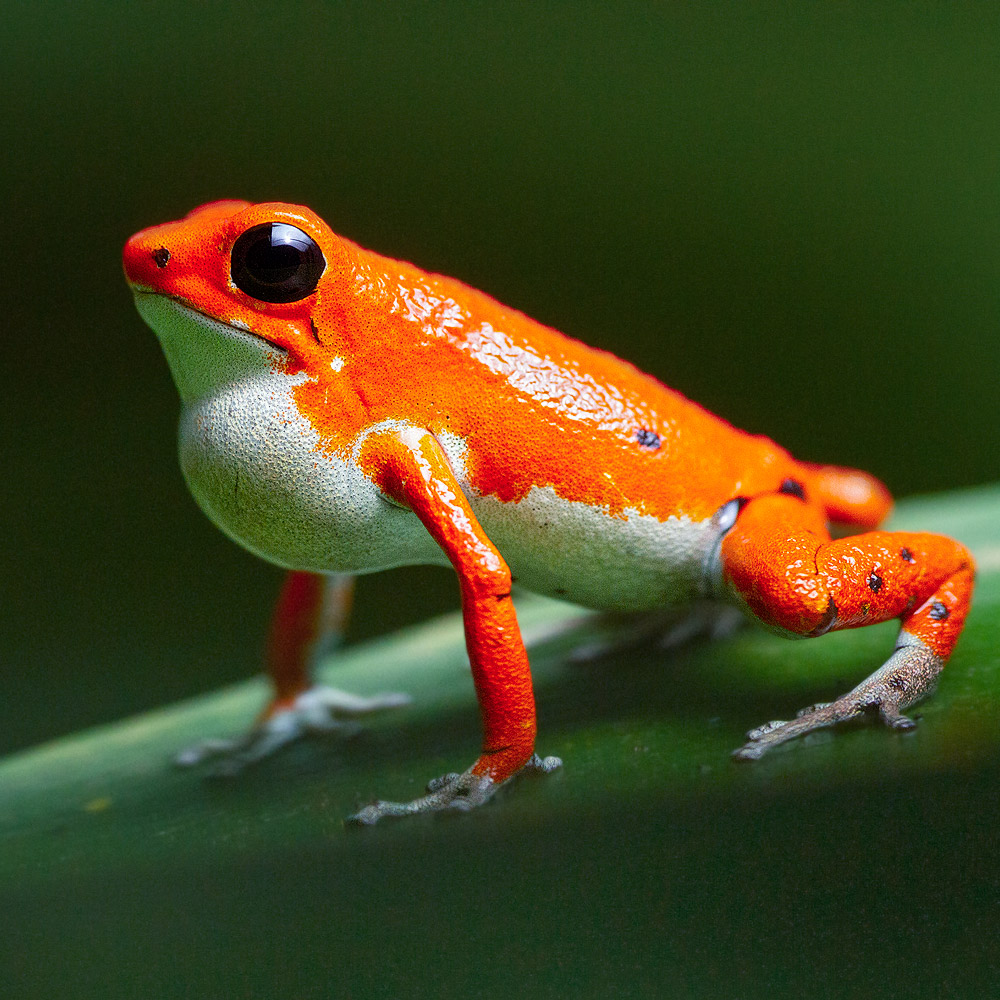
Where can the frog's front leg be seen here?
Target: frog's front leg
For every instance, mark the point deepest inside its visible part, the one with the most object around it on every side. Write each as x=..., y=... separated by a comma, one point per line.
x=309, y=620
x=410, y=467
x=779, y=561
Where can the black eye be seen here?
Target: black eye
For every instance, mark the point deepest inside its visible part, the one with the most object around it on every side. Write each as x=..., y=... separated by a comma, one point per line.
x=276, y=262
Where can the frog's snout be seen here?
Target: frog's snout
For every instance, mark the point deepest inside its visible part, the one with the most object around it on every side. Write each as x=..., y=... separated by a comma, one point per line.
x=147, y=255
x=142, y=258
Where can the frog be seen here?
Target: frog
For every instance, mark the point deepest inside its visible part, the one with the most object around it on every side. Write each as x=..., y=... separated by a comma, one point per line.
x=343, y=412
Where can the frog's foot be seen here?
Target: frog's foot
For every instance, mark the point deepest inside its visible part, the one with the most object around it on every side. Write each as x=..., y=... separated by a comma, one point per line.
x=319, y=710
x=908, y=675
x=451, y=792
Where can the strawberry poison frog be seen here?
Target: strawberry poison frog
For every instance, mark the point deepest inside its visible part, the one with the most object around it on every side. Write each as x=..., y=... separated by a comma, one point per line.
x=343, y=412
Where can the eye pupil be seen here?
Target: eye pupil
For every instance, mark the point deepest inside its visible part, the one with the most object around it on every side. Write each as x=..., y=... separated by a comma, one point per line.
x=276, y=262
x=272, y=264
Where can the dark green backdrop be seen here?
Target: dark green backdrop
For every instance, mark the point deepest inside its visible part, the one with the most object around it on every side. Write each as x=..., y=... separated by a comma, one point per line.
x=790, y=212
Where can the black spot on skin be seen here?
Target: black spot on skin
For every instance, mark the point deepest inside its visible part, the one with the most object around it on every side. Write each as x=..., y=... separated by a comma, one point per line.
x=874, y=583
x=897, y=683
x=314, y=328
x=938, y=611
x=648, y=439
x=906, y=555
x=160, y=256
x=792, y=488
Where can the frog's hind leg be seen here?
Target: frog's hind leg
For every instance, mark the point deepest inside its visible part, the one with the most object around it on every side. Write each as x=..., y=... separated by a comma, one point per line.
x=309, y=620
x=779, y=562
x=667, y=629
x=848, y=496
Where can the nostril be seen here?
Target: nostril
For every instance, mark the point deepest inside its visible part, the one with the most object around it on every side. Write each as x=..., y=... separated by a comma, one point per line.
x=160, y=256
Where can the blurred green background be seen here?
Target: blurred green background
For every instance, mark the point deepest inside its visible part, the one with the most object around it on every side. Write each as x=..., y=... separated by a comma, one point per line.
x=789, y=212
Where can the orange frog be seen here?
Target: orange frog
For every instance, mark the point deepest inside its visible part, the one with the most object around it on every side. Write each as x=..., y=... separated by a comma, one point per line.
x=343, y=412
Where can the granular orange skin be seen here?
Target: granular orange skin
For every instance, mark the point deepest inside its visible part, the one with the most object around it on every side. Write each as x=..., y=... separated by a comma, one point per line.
x=535, y=407
x=385, y=345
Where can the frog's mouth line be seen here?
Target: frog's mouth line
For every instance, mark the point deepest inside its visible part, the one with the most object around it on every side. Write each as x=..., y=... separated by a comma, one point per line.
x=239, y=332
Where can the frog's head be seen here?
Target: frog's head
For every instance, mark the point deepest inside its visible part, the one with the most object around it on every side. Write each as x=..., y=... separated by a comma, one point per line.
x=233, y=289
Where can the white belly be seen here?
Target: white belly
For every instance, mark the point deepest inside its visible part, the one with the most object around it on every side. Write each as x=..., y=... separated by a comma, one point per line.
x=252, y=462
x=577, y=552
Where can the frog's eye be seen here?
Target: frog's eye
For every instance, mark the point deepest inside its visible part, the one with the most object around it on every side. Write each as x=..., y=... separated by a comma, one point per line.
x=276, y=262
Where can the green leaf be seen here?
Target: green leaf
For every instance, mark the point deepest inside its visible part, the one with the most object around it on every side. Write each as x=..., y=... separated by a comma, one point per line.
x=648, y=840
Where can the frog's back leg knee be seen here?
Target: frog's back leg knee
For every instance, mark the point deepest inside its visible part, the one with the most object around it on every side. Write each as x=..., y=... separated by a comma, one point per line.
x=849, y=496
